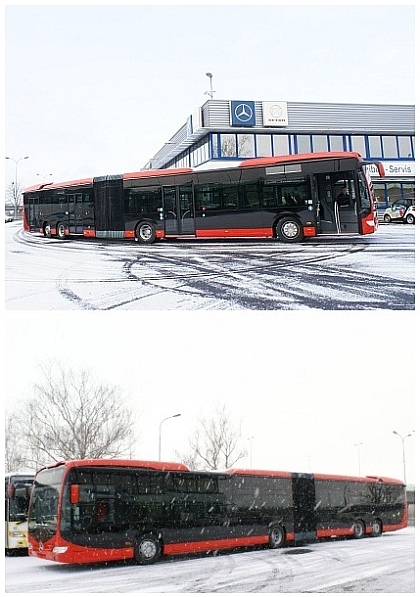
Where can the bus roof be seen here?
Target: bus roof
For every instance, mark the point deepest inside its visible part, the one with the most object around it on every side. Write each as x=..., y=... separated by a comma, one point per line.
x=367, y=479
x=144, y=464
x=257, y=472
x=59, y=185
x=300, y=157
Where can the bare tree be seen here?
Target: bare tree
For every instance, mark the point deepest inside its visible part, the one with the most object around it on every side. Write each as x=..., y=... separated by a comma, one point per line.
x=14, y=197
x=215, y=443
x=15, y=458
x=73, y=416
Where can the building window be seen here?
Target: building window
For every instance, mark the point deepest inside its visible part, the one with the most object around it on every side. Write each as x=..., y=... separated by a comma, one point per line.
x=281, y=144
x=319, y=143
x=303, y=144
x=358, y=144
x=404, y=147
x=390, y=147
x=375, y=149
x=263, y=146
x=246, y=146
x=336, y=143
x=228, y=145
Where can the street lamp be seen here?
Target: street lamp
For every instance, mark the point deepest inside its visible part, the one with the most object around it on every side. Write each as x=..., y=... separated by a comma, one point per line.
x=211, y=92
x=250, y=450
x=160, y=432
x=16, y=178
x=44, y=176
x=403, y=438
x=358, y=454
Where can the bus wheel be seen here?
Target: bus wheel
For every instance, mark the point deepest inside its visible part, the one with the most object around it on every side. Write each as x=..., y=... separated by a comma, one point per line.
x=47, y=231
x=289, y=230
x=277, y=537
x=145, y=233
x=376, y=528
x=61, y=234
x=147, y=549
x=358, y=529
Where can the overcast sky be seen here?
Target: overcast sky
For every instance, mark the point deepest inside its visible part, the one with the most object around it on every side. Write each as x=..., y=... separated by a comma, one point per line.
x=306, y=386
x=95, y=90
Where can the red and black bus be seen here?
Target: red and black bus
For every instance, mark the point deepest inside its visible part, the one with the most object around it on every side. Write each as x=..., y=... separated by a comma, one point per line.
x=85, y=511
x=285, y=197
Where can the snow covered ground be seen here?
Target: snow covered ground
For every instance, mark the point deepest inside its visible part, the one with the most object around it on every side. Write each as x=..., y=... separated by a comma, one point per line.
x=329, y=273
x=371, y=565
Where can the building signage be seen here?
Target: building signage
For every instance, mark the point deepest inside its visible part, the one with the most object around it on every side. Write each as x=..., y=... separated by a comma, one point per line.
x=275, y=114
x=394, y=169
x=242, y=113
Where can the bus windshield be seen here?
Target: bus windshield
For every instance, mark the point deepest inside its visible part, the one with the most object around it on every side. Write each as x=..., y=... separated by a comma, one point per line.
x=19, y=494
x=44, y=502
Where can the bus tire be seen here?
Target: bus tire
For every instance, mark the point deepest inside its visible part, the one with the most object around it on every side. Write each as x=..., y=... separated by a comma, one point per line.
x=277, y=536
x=376, y=528
x=145, y=233
x=288, y=230
x=61, y=231
x=47, y=230
x=147, y=549
x=358, y=529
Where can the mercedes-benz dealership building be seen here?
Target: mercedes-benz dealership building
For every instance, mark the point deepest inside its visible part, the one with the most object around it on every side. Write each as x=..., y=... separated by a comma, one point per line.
x=226, y=132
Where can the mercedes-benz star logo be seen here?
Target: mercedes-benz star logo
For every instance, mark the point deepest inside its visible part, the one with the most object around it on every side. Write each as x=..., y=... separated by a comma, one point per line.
x=243, y=112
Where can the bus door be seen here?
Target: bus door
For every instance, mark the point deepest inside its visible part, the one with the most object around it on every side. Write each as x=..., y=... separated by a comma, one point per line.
x=178, y=209
x=337, y=205
x=75, y=221
x=304, y=517
x=32, y=211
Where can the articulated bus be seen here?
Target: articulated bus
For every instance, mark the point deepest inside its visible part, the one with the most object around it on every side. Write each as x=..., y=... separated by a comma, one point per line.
x=86, y=511
x=285, y=197
x=18, y=491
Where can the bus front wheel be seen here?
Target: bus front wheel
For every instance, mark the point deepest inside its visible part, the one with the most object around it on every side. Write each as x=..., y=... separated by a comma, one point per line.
x=358, y=529
x=376, y=528
x=61, y=231
x=289, y=230
x=145, y=233
x=147, y=549
x=277, y=537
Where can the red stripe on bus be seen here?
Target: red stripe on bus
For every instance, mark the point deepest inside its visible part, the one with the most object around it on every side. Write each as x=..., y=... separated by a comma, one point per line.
x=322, y=533
x=190, y=547
x=234, y=232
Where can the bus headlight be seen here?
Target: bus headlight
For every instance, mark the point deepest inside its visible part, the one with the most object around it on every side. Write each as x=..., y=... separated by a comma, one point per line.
x=59, y=549
x=16, y=534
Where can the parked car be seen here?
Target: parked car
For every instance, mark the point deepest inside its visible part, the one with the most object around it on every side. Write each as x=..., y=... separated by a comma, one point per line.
x=398, y=210
x=409, y=216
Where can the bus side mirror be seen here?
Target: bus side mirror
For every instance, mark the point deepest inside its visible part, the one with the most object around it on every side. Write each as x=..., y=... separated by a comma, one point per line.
x=74, y=494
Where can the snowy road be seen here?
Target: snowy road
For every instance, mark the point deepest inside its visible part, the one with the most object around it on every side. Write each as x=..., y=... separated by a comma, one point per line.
x=369, y=565
x=329, y=273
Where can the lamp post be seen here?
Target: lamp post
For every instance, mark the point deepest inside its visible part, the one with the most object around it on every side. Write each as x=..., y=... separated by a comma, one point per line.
x=211, y=92
x=358, y=455
x=403, y=438
x=250, y=450
x=44, y=176
x=16, y=191
x=160, y=432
